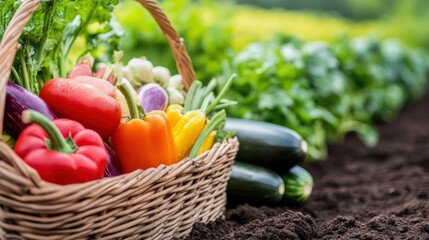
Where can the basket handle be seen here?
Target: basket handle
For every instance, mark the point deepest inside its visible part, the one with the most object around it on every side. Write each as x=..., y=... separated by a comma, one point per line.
x=183, y=61
x=9, y=45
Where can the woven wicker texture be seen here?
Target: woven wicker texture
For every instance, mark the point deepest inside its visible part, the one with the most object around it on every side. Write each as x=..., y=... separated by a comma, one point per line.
x=159, y=203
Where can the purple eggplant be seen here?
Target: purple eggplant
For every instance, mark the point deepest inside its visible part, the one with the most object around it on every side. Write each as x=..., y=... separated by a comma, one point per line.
x=152, y=97
x=113, y=167
x=19, y=99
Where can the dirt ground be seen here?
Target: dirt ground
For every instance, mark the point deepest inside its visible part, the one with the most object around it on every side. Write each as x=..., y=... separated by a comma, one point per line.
x=359, y=192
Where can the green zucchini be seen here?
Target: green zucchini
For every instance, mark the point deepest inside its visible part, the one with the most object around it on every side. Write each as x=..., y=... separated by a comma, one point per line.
x=254, y=185
x=298, y=185
x=272, y=146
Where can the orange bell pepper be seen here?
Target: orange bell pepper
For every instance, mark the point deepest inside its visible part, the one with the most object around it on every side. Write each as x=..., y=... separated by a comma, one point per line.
x=144, y=141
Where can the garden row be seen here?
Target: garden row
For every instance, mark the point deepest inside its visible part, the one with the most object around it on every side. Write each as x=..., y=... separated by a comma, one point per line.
x=322, y=90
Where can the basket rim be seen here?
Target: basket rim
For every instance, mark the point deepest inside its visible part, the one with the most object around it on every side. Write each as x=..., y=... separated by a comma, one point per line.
x=182, y=167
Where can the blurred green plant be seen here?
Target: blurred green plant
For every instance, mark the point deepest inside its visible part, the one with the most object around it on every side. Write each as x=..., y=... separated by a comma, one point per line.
x=409, y=22
x=358, y=10
x=252, y=24
x=49, y=37
x=323, y=90
x=406, y=20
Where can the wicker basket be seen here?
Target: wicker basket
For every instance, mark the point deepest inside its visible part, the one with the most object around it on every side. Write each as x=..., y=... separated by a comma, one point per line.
x=159, y=203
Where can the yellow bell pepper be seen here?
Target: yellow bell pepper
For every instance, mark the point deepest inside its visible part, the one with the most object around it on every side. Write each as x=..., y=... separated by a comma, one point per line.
x=186, y=128
x=208, y=143
x=174, y=113
x=191, y=129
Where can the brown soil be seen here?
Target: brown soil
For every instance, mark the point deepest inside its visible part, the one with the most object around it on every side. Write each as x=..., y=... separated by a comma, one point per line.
x=360, y=192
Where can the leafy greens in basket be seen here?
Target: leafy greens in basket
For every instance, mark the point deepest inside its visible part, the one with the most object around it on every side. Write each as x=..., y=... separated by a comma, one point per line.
x=51, y=33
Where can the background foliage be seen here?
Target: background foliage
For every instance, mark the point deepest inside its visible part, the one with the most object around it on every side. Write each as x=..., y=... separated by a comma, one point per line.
x=323, y=82
x=324, y=91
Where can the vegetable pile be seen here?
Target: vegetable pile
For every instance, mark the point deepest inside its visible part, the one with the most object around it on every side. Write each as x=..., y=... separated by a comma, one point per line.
x=322, y=91
x=93, y=117
x=144, y=131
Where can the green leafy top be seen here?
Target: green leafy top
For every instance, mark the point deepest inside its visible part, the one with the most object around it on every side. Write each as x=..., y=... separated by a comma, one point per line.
x=48, y=37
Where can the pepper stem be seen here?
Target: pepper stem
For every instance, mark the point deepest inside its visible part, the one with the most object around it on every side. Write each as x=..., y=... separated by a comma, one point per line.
x=57, y=141
x=125, y=89
x=217, y=121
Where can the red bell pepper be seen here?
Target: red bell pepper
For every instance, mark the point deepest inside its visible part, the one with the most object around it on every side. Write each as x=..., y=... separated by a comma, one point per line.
x=88, y=100
x=61, y=151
